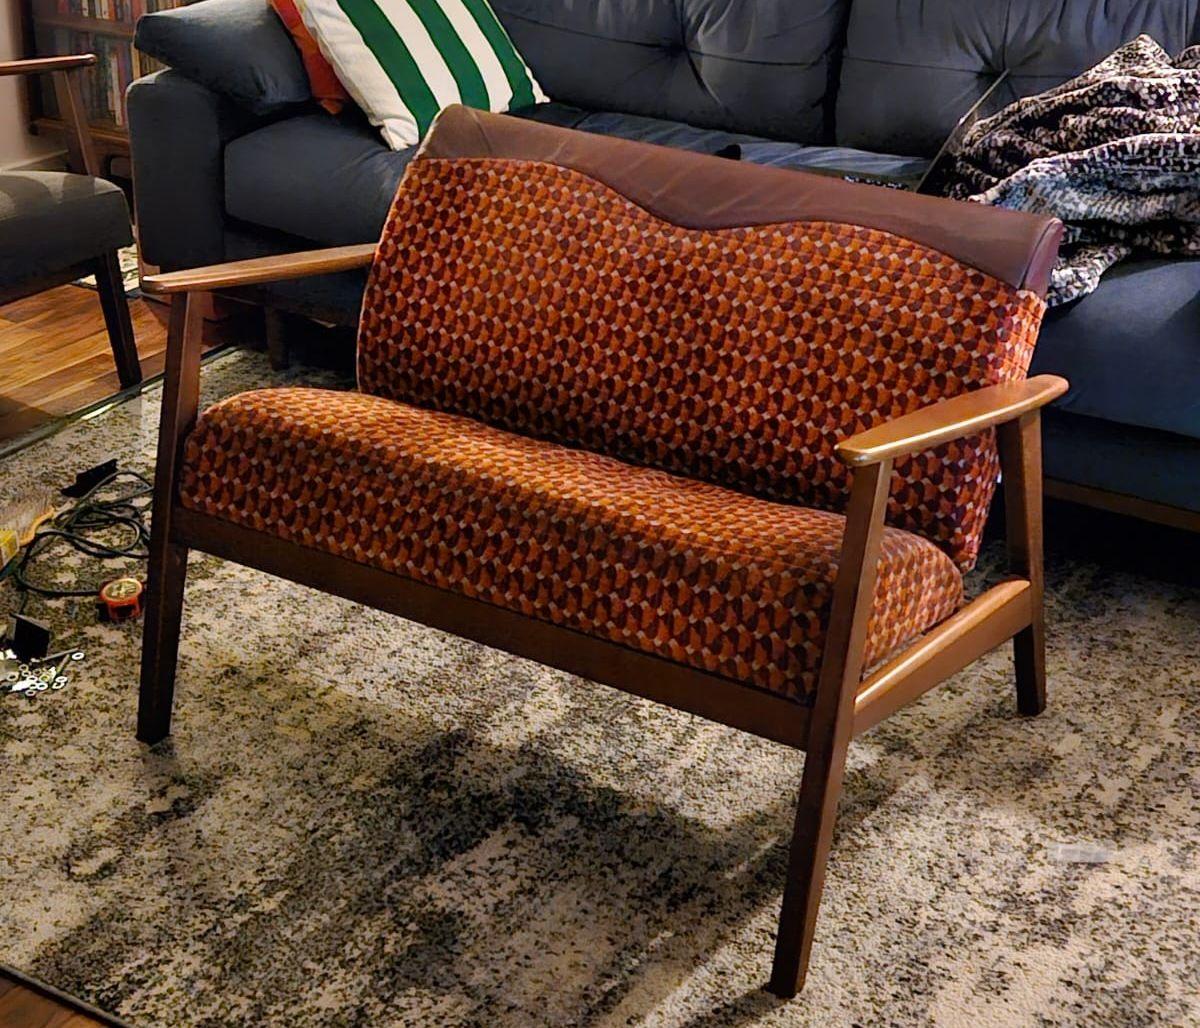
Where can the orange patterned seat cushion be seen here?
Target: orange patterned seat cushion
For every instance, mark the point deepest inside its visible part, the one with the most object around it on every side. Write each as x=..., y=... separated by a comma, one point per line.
x=537, y=299
x=719, y=580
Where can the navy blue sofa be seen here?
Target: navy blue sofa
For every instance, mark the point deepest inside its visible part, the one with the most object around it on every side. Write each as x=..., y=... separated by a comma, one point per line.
x=232, y=159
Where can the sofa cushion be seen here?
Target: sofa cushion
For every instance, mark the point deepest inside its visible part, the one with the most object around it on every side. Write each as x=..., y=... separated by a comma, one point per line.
x=325, y=179
x=717, y=580
x=754, y=149
x=1131, y=350
x=237, y=48
x=912, y=68
x=331, y=180
x=50, y=221
x=762, y=66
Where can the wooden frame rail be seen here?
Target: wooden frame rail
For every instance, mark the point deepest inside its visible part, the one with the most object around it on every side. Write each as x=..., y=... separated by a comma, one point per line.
x=845, y=703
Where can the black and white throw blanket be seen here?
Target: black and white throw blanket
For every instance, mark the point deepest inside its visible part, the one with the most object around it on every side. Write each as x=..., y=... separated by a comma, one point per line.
x=1114, y=153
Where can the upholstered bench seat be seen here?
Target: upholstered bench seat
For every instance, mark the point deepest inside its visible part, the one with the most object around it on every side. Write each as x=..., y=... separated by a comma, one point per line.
x=50, y=220
x=705, y=576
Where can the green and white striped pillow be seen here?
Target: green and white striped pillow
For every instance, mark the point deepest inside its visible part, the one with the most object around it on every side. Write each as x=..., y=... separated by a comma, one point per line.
x=404, y=60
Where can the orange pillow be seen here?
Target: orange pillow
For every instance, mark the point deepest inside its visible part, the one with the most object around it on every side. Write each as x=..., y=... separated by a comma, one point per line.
x=322, y=80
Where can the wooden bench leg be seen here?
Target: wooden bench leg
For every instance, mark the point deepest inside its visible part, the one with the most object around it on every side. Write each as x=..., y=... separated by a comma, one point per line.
x=812, y=836
x=160, y=640
x=168, y=557
x=1021, y=453
x=115, y=304
x=831, y=726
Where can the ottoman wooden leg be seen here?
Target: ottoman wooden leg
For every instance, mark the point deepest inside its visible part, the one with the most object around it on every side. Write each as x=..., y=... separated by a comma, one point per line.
x=115, y=305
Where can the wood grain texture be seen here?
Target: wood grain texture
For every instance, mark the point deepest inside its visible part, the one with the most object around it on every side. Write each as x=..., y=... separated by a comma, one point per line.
x=261, y=269
x=22, y=1007
x=951, y=419
x=55, y=356
x=1122, y=503
x=36, y=65
x=982, y=625
x=1021, y=458
x=831, y=726
x=168, y=560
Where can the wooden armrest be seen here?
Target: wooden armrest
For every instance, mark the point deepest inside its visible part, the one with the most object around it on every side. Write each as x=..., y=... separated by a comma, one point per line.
x=261, y=269
x=39, y=64
x=951, y=419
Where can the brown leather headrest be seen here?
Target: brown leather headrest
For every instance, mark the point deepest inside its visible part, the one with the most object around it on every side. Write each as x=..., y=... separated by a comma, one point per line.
x=699, y=191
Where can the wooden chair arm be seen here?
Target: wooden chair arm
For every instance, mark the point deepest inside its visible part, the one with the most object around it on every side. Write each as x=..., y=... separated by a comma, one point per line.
x=37, y=65
x=951, y=419
x=261, y=269
x=81, y=150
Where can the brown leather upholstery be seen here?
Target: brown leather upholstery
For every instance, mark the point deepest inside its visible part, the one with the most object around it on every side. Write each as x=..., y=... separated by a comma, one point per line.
x=699, y=191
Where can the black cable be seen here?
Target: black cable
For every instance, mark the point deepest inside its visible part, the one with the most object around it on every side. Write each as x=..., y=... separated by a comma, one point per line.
x=85, y=526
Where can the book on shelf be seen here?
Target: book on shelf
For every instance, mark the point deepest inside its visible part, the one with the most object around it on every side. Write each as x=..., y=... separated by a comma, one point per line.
x=102, y=86
x=102, y=10
x=77, y=26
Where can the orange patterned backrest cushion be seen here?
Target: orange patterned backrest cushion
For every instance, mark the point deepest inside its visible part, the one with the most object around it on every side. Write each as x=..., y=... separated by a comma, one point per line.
x=536, y=298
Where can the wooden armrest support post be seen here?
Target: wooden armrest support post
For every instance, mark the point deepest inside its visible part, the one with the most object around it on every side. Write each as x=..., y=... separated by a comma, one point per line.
x=258, y=270
x=844, y=704
x=1013, y=609
x=181, y=378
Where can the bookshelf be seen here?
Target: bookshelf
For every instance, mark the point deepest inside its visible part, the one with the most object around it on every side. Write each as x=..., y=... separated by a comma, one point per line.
x=102, y=27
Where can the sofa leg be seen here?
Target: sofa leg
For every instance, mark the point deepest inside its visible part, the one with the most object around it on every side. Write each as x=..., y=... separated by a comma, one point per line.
x=812, y=837
x=277, y=326
x=831, y=726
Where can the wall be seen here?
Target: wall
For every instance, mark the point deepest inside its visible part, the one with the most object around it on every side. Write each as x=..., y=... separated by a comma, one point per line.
x=17, y=146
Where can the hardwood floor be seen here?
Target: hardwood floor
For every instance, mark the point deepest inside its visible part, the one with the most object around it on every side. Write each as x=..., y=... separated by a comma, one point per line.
x=22, y=1007
x=55, y=358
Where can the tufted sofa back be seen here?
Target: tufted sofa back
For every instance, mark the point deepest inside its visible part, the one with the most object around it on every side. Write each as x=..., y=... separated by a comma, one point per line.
x=718, y=320
x=893, y=76
x=759, y=66
x=912, y=68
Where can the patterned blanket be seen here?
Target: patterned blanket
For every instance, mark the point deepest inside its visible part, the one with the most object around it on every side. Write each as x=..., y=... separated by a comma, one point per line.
x=1114, y=153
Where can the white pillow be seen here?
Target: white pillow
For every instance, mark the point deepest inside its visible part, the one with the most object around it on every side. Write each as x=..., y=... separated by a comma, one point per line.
x=404, y=60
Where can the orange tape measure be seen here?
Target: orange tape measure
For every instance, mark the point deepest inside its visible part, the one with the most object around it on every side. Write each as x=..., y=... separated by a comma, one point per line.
x=121, y=599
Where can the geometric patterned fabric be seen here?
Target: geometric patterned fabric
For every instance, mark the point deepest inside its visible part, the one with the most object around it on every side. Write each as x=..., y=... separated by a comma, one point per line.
x=718, y=580
x=575, y=409
x=535, y=298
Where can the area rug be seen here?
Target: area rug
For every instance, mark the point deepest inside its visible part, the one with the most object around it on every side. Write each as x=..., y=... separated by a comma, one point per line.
x=359, y=821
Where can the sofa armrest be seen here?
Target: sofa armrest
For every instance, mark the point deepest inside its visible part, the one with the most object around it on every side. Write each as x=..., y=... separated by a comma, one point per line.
x=237, y=48
x=262, y=269
x=177, y=131
x=951, y=419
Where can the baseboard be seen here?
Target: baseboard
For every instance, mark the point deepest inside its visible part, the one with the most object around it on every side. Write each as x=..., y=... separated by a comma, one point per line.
x=55, y=160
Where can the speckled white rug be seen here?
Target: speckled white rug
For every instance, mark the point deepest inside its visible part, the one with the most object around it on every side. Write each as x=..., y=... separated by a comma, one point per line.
x=359, y=821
